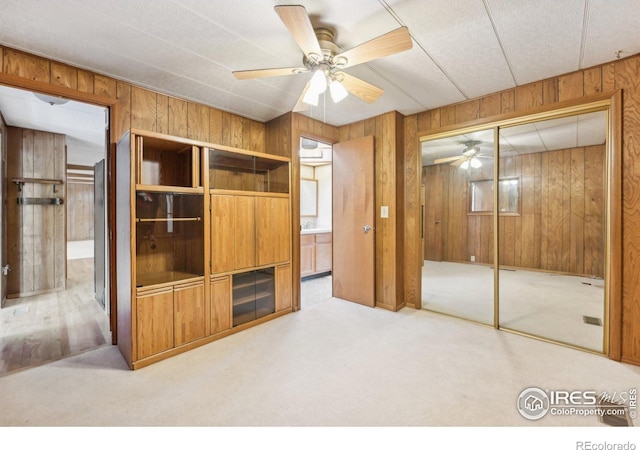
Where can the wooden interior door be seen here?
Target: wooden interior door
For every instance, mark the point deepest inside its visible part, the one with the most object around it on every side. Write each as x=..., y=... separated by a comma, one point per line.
x=434, y=179
x=353, y=221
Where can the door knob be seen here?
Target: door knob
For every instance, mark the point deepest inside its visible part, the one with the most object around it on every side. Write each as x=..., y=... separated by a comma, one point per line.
x=366, y=228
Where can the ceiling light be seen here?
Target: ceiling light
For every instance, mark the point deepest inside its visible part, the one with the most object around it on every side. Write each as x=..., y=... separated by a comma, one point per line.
x=311, y=97
x=475, y=163
x=51, y=99
x=318, y=82
x=338, y=92
x=465, y=165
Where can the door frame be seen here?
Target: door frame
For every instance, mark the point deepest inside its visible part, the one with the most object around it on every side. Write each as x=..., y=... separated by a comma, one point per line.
x=104, y=102
x=295, y=208
x=612, y=103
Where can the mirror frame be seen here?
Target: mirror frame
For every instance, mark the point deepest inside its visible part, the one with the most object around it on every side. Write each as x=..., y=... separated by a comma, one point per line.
x=611, y=103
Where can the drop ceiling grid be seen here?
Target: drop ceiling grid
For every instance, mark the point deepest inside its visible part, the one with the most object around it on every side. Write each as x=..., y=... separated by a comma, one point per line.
x=541, y=38
x=459, y=36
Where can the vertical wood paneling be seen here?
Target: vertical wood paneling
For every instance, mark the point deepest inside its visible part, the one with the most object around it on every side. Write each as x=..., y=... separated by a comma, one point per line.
x=123, y=116
x=576, y=205
x=85, y=81
x=162, y=114
x=37, y=244
x=490, y=105
x=197, y=122
x=508, y=101
x=528, y=96
x=215, y=126
x=467, y=111
x=79, y=211
x=571, y=86
x=592, y=81
x=26, y=66
x=447, y=116
x=143, y=109
x=63, y=75
x=178, y=117
x=550, y=91
x=593, y=210
x=105, y=86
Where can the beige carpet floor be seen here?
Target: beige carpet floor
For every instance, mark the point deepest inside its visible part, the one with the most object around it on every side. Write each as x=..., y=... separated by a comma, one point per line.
x=548, y=305
x=334, y=363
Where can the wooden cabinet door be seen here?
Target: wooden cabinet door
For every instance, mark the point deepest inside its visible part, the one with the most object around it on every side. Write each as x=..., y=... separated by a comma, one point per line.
x=307, y=255
x=324, y=248
x=188, y=306
x=222, y=232
x=154, y=322
x=273, y=230
x=220, y=304
x=244, y=232
x=283, y=287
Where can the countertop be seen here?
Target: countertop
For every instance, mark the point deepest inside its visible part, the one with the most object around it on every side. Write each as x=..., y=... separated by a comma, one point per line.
x=315, y=231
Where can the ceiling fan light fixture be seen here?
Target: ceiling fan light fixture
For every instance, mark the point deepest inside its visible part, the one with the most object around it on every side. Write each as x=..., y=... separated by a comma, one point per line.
x=338, y=92
x=475, y=163
x=318, y=82
x=465, y=165
x=311, y=97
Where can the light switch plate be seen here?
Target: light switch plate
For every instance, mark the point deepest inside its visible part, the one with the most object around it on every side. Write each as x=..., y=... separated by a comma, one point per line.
x=384, y=212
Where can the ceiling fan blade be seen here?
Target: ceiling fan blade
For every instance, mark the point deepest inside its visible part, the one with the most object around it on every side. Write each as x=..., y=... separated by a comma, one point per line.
x=459, y=162
x=395, y=41
x=297, y=22
x=446, y=160
x=263, y=73
x=366, y=91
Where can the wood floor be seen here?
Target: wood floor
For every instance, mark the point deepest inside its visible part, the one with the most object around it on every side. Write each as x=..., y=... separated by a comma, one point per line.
x=43, y=328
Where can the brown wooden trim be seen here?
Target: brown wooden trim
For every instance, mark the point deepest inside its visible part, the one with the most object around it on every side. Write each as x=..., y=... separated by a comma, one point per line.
x=513, y=116
x=51, y=89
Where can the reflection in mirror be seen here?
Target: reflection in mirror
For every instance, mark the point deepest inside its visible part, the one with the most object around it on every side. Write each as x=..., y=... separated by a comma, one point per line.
x=551, y=254
x=481, y=195
x=457, y=275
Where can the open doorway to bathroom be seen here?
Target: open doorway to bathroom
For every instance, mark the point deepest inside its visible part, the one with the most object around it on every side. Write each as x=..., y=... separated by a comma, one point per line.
x=316, y=219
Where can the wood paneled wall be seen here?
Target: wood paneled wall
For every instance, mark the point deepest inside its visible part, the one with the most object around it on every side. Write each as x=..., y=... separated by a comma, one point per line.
x=133, y=107
x=283, y=138
x=36, y=237
x=560, y=226
x=623, y=75
x=389, y=166
x=79, y=211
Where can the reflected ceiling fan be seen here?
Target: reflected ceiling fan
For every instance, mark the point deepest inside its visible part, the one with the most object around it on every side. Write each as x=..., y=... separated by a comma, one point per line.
x=323, y=58
x=470, y=157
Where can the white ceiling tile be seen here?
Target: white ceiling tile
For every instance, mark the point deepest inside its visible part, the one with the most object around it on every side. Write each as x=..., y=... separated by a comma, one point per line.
x=612, y=26
x=459, y=36
x=541, y=38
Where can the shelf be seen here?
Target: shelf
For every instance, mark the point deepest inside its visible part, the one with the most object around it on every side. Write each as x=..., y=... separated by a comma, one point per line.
x=39, y=201
x=253, y=297
x=174, y=219
x=253, y=282
x=22, y=181
x=164, y=277
x=169, y=189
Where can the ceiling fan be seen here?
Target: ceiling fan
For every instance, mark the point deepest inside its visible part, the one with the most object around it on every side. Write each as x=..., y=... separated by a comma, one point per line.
x=470, y=157
x=323, y=57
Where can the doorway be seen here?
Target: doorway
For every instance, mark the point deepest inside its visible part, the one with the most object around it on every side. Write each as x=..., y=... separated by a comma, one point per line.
x=51, y=309
x=316, y=221
x=515, y=226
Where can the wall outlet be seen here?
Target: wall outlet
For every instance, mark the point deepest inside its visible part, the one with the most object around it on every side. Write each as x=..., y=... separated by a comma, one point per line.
x=473, y=259
x=384, y=212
